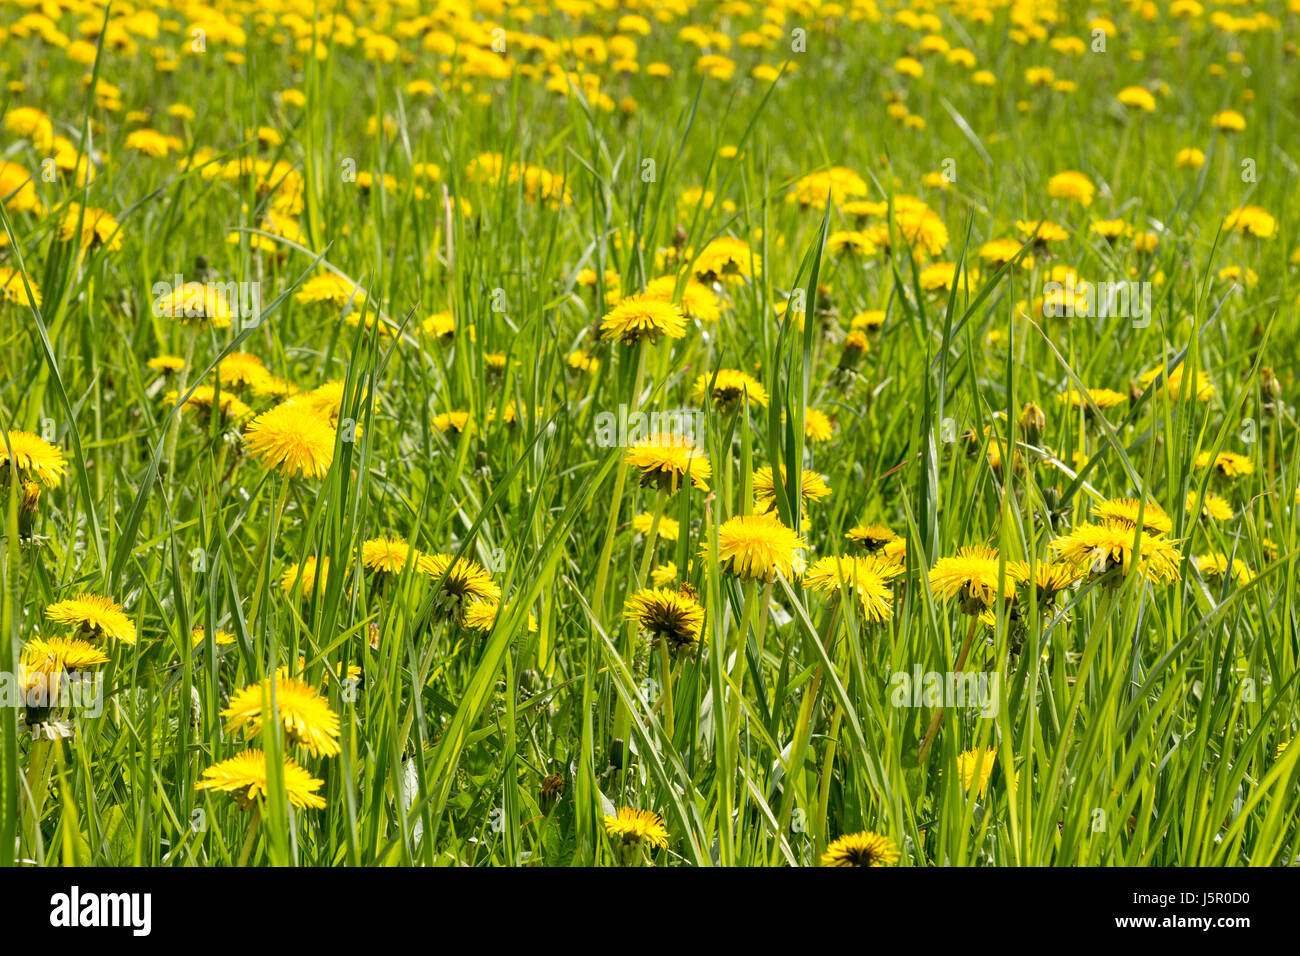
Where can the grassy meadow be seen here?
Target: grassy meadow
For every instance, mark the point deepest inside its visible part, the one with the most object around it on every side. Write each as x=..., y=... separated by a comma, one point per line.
x=688, y=433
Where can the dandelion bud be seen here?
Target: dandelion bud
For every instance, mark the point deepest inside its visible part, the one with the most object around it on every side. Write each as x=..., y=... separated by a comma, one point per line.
x=1032, y=423
x=855, y=346
x=29, y=508
x=552, y=787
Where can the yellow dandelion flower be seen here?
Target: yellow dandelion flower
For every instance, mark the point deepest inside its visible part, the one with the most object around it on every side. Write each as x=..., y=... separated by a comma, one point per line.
x=330, y=288
x=867, y=577
x=34, y=457
x=666, y=460
x=18, y=189
x=453, y=423
x=482, y=616
x=27, y=122
x=812, y=487
x=1173, y=386
x=221, y=638
x=663, y=574
x=667, y=615
x=93, y=615
x=56, y=655
x=1219, y=564
x=1049, y=578
x=303, y=712
x=817, y=425
x=861, y=849
x=638, y=317
x=1043, y=232
x=14, y=291
x=239, y=369
x=1137, y=98
x=1072, y=185
x=921, y=228
x=204, y=398
x=871, y=537
x=385, y=555
x=757, y=547
x=327, y=400
x=1215, y=507
x=850, y=242
x=634, y=831
x=1251, y=221
x=93, y=227
x=440, y=325
x=1099, y=548
x=727, y=389
x=244, y=775
x=1125, y=511
x=669, y=528
x=698, y=301
x=975, y=767
x=151, y=143
x=1103, y=398
x=972, y=575
x=725, y=258
x=462, y=579
x=1227, y=463
x=195, y=303
x=1230, y=121
x=292, y=438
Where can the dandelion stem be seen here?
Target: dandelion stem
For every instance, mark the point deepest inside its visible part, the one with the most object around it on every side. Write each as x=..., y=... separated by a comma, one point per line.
x=250, y=837
x=666, y=693
x=174, y=426
x=957, y=669
x=620, y=478
x=38, y=781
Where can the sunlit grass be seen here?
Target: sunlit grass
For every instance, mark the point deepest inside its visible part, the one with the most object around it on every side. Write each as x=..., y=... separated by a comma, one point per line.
x=1128, y=717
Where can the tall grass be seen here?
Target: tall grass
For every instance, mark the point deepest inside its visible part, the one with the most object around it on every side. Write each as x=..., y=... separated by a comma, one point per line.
x=1136, y=723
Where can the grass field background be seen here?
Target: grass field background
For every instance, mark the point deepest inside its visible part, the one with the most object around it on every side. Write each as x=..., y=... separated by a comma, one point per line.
x=485, y=183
